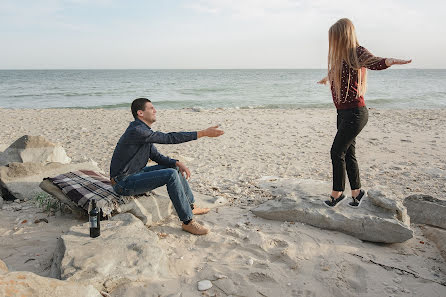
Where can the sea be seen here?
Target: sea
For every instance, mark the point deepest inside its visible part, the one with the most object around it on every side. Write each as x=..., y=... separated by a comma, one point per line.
x=210, y=89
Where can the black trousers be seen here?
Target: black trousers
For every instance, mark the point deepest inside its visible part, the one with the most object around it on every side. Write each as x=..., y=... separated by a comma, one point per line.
x=349, y=122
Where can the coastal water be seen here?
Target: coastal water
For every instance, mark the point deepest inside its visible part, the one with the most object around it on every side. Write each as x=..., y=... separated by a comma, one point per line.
x=208, y=89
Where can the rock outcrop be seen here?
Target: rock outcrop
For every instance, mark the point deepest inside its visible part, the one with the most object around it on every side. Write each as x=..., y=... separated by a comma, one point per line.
x=21, y=180
x=34, y=149
x=379, y=219
x=424, y=209
x=23, y=283
x=438, y=236
x=126, y=251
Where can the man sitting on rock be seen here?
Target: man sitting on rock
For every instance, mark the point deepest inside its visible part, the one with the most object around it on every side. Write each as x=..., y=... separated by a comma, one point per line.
x=130, y=175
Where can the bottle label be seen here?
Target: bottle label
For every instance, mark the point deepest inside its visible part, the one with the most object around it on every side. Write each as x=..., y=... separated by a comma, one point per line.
x=94, y=222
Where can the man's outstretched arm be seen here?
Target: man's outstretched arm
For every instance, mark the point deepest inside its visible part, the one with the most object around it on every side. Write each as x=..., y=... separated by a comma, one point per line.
x=148, y=135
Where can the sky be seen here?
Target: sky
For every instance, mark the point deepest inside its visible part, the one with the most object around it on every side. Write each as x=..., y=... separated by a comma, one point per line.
x=212, y=34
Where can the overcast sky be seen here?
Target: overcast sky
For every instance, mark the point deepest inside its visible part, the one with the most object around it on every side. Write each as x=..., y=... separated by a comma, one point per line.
x=48, y=34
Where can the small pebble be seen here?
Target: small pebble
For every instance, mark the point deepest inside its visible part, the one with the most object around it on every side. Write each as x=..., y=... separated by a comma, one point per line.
x=204, y=285
x=220, y=276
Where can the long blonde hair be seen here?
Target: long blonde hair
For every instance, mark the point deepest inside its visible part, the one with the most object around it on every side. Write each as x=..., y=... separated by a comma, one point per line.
x=342, y=48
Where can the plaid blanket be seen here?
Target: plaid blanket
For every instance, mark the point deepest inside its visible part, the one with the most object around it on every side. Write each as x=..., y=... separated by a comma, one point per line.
x=83, y=185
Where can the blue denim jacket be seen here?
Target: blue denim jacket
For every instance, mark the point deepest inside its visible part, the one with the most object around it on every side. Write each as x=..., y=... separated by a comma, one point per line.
x=135, y=148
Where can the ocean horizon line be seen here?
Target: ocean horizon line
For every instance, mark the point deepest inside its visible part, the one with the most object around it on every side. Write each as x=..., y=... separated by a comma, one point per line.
x=219, y=69
x=210, y=88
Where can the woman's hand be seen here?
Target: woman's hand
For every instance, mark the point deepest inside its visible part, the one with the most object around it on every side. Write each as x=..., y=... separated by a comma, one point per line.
x=323, y=81
x=392, y=61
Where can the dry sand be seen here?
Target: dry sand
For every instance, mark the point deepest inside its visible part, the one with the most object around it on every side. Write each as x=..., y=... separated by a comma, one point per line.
x=399, y=150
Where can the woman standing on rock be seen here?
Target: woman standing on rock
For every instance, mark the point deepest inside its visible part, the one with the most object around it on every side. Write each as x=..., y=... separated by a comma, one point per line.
x=347, y=63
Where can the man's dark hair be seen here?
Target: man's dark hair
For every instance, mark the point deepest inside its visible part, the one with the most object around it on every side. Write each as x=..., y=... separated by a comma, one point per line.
x=139, y=104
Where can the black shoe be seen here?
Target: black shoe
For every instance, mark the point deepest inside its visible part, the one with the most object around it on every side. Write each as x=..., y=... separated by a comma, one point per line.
x=357, y=200
x=333, y=202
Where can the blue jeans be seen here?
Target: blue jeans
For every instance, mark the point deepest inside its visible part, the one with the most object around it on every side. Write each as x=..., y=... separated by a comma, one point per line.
x=153, y=177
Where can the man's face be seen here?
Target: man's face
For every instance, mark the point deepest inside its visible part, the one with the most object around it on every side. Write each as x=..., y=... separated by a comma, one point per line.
x=148, y=114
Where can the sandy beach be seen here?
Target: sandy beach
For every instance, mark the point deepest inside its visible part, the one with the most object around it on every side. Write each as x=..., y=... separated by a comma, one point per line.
x=401, y=151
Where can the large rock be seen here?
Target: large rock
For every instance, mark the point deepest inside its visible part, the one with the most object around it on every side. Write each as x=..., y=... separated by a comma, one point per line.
x=22, y=283
x=21, y=180
x=150, y=208
x=438, y=236
x=156, y=205
x=35, y=149
x=125, y=252
x=379, y=219
x=424, y=209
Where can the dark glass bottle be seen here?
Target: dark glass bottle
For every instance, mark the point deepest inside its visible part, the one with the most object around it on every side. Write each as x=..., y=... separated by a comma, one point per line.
x=94, y=218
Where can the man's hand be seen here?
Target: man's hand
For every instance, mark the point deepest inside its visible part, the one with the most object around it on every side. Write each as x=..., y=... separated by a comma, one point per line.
x=210, y=132
x=183, y=169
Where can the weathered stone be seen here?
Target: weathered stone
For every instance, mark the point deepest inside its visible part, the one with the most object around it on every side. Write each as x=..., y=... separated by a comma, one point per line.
x=156, y=205
x=204, y=285
x=21, y=283
x=303, y=201
x=3, y=267
x=380, y=199
x=126, y=251
x=21, y=180
x=438, y=236
x=3, y=147
x=424, y=209
x=1, y=202
x=35, y=149
x=150, y=208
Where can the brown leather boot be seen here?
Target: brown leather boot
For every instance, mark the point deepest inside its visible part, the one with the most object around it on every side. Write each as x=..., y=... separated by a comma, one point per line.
x=195, y=228
x=200, y=211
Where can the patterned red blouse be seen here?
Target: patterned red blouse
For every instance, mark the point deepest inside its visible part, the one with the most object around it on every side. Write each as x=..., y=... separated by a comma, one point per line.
x=352, y=100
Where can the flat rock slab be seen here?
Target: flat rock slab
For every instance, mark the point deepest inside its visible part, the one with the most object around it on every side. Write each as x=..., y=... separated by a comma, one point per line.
x=21, y=180
x=21, y=283
x=126, y=251
x=438, y=236
x=378, y=219
x=424, y=209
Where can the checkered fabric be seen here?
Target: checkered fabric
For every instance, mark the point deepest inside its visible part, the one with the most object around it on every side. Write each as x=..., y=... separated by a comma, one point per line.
x=83, y=185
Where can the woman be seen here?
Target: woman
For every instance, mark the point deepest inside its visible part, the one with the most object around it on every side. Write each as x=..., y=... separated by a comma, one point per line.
x=347, y=63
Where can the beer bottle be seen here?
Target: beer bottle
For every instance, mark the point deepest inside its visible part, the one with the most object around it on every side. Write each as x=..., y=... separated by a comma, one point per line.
x=94, y=218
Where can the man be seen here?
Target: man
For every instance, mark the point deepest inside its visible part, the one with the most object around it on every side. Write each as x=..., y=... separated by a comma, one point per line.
x=130, y=175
